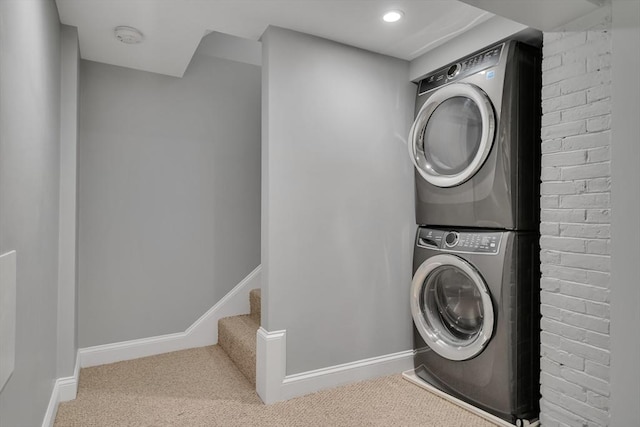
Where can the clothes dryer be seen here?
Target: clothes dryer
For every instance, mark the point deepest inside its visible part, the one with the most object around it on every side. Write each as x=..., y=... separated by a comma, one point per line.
x=475, y=306
x=475, y=141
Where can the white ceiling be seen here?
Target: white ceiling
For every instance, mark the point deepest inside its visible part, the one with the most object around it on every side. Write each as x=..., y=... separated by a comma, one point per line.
x=173, y=28
x=544, y=15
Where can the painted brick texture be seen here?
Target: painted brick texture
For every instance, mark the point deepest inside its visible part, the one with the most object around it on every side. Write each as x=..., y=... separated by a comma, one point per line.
x=575, y=227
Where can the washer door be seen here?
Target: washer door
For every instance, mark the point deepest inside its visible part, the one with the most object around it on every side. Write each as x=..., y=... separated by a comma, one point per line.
x=452, y=134
x=451, y=307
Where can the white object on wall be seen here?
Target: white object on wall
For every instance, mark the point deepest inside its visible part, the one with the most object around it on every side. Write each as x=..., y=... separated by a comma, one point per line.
x=7, y=316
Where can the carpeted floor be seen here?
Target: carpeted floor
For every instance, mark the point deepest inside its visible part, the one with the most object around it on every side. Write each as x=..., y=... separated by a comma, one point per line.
x=202, y=387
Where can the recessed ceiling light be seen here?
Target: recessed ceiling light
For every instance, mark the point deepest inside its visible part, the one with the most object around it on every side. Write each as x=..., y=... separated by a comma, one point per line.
x=393, y=16
x=128, y=35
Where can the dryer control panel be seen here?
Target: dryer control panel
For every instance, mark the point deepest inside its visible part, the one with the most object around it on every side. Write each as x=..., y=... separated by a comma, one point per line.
x=465, y=67
x=487, y=242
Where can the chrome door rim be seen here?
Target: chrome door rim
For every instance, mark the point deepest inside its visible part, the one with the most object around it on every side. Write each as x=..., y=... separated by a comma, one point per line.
x=434, y=338
x=483, y=103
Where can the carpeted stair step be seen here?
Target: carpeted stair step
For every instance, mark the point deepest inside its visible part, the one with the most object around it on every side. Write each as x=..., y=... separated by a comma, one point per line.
x=237, y=336
x=255, y=303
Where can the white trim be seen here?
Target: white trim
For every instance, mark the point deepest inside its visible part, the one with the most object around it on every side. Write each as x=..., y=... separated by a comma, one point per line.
x=68, y=386
x=52, y=409
x=411, y=376
x=271, y=356
x=64, y=389
x=320, y=379
x=432, y=329
x=273, y=385
x=203, y=332
x=445, y=93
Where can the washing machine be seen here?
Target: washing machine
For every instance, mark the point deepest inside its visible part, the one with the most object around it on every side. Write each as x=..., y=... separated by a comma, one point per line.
x=475, y=141
x=475, y=306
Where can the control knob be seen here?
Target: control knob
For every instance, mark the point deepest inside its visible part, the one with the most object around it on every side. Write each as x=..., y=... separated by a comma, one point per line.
x=451, y=239
x=453, y=71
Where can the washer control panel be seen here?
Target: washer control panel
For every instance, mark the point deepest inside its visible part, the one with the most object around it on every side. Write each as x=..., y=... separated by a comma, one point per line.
x=487, y=242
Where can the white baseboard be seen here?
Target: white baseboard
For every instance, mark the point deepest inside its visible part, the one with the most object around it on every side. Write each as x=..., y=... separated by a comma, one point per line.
x=271, y=353
x=320, y=379
x=64, y=389
x=52, y=409
x=273, y=385
x=203, y=332
x=68, y=387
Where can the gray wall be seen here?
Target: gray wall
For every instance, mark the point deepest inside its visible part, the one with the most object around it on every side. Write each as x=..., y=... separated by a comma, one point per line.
x=625, y=223
x=67, y=271
x=29, y=172
x=169, y=195
x=338, y=216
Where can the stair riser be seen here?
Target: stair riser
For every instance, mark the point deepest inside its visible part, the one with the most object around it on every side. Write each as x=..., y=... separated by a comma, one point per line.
x=236, y=336
x=255, y=302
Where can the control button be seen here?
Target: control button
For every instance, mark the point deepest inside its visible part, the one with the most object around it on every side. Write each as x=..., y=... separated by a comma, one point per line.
x=451, y=239
x=453, y=71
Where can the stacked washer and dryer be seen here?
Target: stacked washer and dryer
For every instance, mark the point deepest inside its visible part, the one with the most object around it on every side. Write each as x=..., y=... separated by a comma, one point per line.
x=475, y=293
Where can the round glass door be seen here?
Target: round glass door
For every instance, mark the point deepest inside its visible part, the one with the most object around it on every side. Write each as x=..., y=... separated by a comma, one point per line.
x=451, y=307
x=452, y=134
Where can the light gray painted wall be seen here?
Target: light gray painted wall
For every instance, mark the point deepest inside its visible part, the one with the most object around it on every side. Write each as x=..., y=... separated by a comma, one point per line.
x=576, y=222
x=338, y=215
x=67, y=272
x=169, y=195
x=29, y=179
x=625, y=221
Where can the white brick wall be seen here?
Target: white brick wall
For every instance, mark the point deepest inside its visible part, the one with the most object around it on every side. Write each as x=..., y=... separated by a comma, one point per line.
x=575, y=240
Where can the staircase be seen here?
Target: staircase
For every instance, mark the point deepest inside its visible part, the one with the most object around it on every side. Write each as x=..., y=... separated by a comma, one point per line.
x=237, y=337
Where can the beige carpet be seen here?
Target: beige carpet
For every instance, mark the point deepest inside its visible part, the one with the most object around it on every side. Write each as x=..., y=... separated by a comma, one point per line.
x=202, y=387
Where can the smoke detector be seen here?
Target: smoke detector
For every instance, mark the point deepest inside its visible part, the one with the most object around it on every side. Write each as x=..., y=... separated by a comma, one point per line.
x=128, y=35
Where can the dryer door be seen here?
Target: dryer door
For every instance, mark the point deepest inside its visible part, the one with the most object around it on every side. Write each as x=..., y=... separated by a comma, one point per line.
x=451, y=307
x=452, y=134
